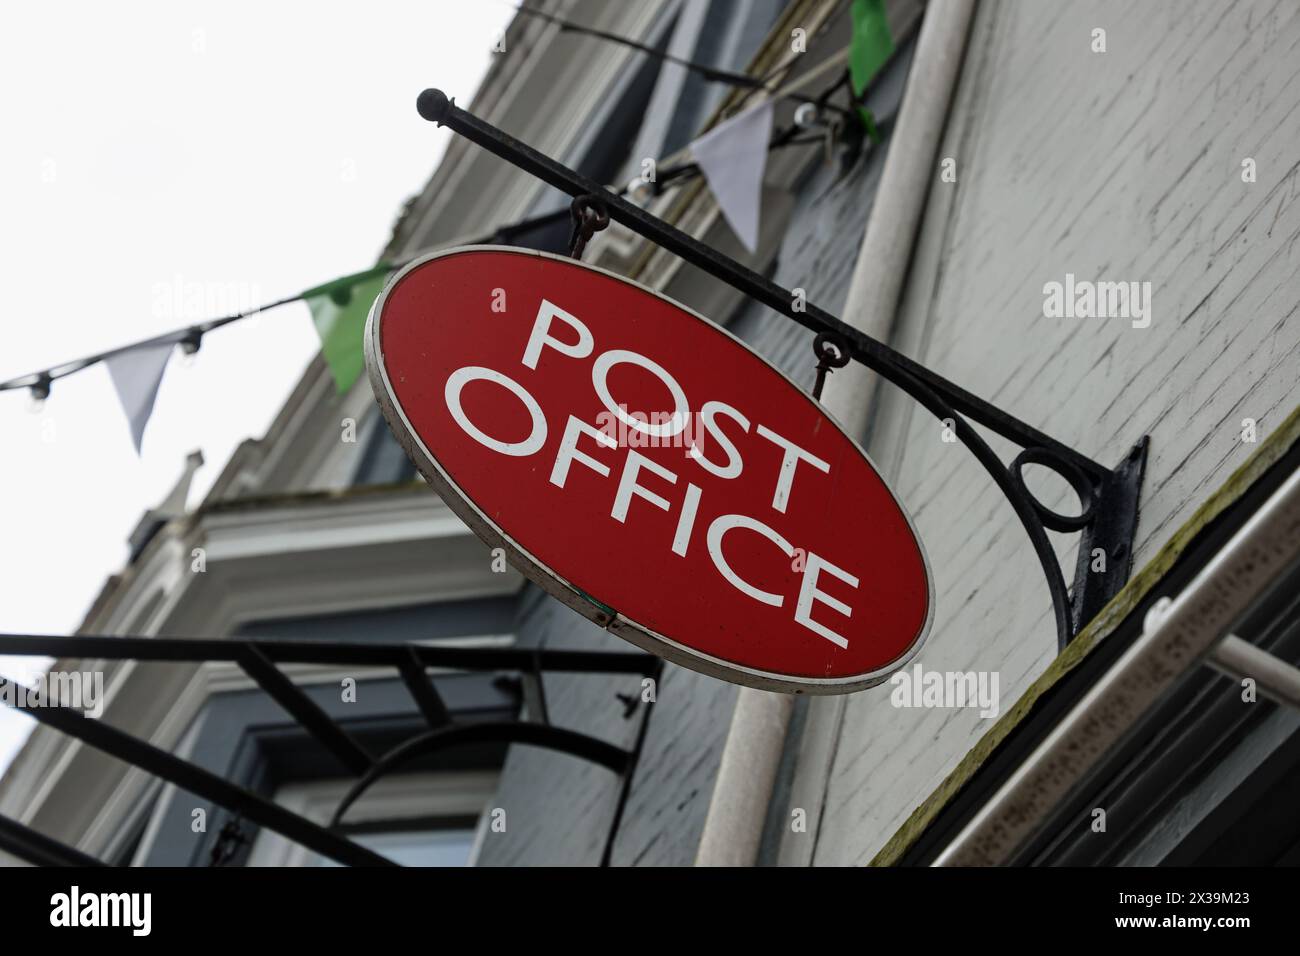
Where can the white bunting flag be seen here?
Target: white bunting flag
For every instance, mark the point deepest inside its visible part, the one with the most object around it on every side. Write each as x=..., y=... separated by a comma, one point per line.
x=732, y=156
x=136, y=375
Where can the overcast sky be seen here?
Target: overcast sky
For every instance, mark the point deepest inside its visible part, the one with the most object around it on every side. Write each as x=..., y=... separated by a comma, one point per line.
x=160, y=159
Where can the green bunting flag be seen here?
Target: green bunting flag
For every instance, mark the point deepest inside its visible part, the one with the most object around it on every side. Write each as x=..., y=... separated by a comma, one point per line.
x=869, y=50
x=339, y=310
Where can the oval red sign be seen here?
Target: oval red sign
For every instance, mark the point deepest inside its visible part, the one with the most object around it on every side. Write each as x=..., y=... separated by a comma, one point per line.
x=649, y=470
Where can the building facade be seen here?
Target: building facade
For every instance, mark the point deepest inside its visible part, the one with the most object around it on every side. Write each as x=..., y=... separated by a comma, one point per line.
x=1102, y=142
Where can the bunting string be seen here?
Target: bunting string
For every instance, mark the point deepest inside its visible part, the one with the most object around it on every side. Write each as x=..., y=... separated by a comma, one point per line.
x=731, y=157
x=751, y=84
x=189, y=337
x=710, y=73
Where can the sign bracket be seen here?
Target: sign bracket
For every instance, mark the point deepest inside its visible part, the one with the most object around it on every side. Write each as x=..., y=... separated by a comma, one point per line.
x=1108, y=497
x=264, y=659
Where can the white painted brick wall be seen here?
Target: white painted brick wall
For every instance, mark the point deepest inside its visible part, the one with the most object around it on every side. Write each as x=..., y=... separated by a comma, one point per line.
x=1119, y=166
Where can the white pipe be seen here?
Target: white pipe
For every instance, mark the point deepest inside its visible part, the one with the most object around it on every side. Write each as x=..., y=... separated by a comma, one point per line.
x=1176, y=640
x=733, y=828
x=1275, y=678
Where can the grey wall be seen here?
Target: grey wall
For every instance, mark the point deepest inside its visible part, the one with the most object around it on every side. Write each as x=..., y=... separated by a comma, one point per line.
x=559, y=809
x=1122, y=166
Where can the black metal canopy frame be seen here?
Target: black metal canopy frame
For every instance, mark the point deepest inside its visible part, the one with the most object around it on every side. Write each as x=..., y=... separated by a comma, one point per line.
x=1108, y=497
x=259, y=659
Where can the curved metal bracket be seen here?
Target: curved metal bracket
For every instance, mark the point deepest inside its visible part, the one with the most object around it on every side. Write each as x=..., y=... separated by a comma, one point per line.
x=511, y=732
x=1096, y=493
x=1077, y=479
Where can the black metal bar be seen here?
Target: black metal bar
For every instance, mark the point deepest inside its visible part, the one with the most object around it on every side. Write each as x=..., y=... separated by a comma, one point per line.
x=892, y=365
x=1100, y=489
x=625, y=785
x=38, y=849
x=202, y=783
x=1020, y=501
x=306, y=711
x=513, y=732
x=426, y=696
x=197, y=650
x=535, y=696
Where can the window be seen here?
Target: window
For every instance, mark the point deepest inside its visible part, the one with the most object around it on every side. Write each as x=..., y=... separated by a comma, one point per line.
x=418, y=819
x=437, y=844
x=381, y=460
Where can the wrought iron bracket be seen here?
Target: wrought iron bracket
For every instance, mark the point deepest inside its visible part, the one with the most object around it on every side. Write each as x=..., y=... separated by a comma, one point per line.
x=1108, y=497
x=262, y=660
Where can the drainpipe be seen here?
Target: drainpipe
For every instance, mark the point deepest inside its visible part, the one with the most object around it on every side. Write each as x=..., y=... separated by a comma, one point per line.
x=733, y=828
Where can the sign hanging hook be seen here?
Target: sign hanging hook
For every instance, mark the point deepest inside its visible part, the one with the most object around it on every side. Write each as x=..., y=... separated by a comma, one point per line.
x=832, y=353
x=590, y=215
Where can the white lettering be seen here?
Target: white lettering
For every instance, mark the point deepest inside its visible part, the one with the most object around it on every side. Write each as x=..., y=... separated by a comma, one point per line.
x=724, y=523
x=471, y=373
x=808, y=595
x=681, y=410
x=568, y=451
x=793, y=454
x=708, y=416
x=627, y=486
x=541, y=337
x=686, y=521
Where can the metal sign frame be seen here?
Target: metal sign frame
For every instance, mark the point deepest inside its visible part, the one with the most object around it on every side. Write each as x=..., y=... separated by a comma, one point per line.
x=1108, y=497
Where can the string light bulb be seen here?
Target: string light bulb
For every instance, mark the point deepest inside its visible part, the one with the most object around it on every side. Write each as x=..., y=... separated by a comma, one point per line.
x=190, y=346
x=640, y=190
x=807, y=116
x=40, y=391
